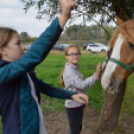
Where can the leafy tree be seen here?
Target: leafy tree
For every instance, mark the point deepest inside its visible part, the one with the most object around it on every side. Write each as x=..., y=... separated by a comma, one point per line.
x=110, y=30
x=64, y=37
x=95, y=31
x=24, y=35
x=75, y=28
x=90, y=9
x=109, y=8
x=80, y=32
x=68, y=31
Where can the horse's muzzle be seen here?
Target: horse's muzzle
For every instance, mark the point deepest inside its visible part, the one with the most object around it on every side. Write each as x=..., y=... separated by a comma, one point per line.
x=113, y=86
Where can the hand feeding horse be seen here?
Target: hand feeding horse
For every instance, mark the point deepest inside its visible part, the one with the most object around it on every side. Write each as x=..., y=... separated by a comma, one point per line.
x=119, y=65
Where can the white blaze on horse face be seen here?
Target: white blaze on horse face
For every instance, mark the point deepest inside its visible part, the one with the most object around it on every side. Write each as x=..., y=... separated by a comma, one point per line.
x=106, y=78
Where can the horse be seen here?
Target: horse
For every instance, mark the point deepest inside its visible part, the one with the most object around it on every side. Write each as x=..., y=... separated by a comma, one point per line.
x=120, y=60
x=118, y=66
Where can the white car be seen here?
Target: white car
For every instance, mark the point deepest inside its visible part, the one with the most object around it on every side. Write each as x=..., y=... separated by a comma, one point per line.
x=97, y=47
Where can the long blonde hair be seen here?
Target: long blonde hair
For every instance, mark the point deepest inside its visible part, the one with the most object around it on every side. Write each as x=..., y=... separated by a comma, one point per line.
x=6, y=35
x=66, y=54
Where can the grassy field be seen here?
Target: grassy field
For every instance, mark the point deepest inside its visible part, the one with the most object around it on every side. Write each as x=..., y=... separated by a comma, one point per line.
x=50, y=70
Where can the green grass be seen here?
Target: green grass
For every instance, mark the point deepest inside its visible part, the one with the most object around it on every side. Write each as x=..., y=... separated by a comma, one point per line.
x=50, y=70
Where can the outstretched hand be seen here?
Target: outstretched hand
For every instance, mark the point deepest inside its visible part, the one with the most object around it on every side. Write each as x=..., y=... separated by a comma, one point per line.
x=99, y=70
x=80, y=98
x=66, y=6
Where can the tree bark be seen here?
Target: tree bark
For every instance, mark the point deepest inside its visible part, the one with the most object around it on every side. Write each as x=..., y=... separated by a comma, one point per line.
x=111, y=111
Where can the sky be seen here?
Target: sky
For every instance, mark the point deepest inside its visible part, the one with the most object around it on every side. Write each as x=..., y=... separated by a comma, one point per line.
x=12, y=15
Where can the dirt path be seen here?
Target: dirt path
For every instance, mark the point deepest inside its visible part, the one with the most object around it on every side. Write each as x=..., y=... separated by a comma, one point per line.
x=57, y=123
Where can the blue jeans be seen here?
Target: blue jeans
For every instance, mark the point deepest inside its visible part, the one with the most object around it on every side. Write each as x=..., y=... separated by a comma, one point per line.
x=75, y=116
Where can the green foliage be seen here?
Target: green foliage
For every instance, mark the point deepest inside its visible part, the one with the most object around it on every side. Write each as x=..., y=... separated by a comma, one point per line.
x=110, y=30
x=123, y=8
x=24, y=35
x=89, y=10
x=28, y=40
x=79, y=32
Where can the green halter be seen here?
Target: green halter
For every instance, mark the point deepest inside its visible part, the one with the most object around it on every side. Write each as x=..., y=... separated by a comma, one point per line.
x=129, y=68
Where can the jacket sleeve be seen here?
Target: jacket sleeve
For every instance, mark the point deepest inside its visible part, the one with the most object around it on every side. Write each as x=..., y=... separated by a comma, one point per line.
x=54, y=92
x=75, y=81
x=36, y=54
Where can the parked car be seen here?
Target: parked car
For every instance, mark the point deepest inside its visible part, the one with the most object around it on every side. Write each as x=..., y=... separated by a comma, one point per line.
x=65, y=46
x=85, y=45
x=97, y=47
x=27, y=47
x=57, y=47
x=61, y=47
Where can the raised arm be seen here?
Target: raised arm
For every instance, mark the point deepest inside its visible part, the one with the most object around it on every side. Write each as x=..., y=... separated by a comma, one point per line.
x=66, y=6
x=41, y=47
x=38, y=51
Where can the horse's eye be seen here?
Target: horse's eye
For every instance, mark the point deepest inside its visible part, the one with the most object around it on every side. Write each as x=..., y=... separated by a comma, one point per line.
x=131, y=46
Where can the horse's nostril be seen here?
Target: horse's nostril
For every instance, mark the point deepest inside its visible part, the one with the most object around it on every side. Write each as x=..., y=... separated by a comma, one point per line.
x=111, y=85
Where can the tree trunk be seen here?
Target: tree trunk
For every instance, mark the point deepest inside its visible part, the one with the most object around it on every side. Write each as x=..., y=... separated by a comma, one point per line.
x=111, y=111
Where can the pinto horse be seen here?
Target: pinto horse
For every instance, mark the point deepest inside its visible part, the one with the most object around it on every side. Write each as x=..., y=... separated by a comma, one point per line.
x=117, y=68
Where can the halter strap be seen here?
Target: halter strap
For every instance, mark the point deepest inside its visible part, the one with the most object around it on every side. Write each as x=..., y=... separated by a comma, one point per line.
x=129, y=68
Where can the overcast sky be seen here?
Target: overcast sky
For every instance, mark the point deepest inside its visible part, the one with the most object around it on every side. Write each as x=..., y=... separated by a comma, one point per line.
x=13, y=15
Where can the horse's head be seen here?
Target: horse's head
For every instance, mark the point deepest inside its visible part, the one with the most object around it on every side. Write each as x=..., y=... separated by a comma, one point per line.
x=120, y=60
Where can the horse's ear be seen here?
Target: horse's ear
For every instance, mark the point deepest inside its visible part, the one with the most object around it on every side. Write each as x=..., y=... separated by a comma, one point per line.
x=118, y=20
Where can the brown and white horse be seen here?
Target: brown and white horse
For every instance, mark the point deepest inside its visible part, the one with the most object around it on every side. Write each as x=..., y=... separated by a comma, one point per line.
x=120, y=62
x=119, y=65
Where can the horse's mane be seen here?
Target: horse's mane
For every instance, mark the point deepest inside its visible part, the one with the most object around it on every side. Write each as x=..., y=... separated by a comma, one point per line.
x=126, y=30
